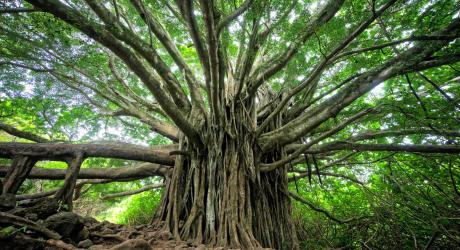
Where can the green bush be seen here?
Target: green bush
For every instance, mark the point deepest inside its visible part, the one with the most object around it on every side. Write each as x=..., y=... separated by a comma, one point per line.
x=134, y=210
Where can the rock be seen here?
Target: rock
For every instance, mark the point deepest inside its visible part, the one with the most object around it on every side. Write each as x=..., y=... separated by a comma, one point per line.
x=83, y=234
x=151, y=235
x=134, y=234
x=201, y=247
x=43, y=209
x=85, y=243
x=7, y=201
x=108, y=231
x=166, y=235
x=19, y=211
x=67, y=224
x=89, y=220
x=136, y=244
x=31, y=216
x=96, y=247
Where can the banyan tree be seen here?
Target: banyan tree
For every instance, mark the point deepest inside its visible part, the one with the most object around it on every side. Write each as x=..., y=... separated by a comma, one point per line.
x=242, y=93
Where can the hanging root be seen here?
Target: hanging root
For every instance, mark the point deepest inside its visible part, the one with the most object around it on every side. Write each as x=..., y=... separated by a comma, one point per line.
x=218, y=197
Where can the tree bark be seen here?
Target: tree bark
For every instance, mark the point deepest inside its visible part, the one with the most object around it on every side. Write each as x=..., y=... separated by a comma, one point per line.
x=17, y=173
x=219, y=197
x=143, y=170
x=131, y=192
x=65, y=194
x=62, y=151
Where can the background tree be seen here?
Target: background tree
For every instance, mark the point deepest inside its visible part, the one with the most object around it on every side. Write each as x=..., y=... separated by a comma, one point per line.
x=244, y=92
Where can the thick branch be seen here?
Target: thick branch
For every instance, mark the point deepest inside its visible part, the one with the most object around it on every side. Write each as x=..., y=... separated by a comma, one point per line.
x=320, y=210
x=21, y=134
x=65, y=194
x=63, y=151
x=18, y=10
x=320, y=67
x=186, y=9
x=146, y=51
x=79, y=184
x=392, y=43
x=329, y=10
x=304, y=147
x=100, y=34
x=415, y=131
x=234, y=15
x=143, y=170
x=412, y=148
x=6, y=218
x=314, y=116
x=131, y=192
x=212, y=45
x=164, y=37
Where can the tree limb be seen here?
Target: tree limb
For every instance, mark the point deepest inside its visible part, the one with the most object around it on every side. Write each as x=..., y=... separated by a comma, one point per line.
x=164, y=37
x=131, y=192
x=334, y=146
x=6, y=218
x=320, y=210
x=139, y=171
x=234, y=15
x=414, y=131
x=304, y=147
x=21, y=134
x=324, y=15
x=356, y=88
x=101, y=35
x=64, y=151
x=146, y=51
x=18, y=10
x=79, y=184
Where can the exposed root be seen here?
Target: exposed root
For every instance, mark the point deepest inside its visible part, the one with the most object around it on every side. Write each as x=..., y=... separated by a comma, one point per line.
x=21, y=222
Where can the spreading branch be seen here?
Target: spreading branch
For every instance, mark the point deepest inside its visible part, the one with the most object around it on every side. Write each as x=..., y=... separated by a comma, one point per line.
x=315, y=116
x=18, y=10
x=304, y=147
x=64, y=151
x=320, y=67
x=410, y=148
x=100, y=34
x=320, y=210
x=324, y=15
x=143, y=170
x=21, y=134
x=79, y=184
x=234, y=15
x=131, y=192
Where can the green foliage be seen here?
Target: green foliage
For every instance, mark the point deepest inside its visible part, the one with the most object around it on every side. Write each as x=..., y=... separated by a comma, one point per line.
x=10, y=231
x=400, y=201
x=407, y=201
x=133, y=210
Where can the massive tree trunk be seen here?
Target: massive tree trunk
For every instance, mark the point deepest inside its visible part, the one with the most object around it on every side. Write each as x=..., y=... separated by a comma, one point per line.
x=218, y=196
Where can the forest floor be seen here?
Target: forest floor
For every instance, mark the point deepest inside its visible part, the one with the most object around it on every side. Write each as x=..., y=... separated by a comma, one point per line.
x=34, y=227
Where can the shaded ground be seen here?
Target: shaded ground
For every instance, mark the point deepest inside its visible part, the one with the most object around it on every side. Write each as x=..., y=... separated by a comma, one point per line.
x=33, y=226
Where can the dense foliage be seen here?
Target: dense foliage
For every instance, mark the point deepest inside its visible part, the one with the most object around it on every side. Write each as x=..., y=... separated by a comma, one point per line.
x=399, y=190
